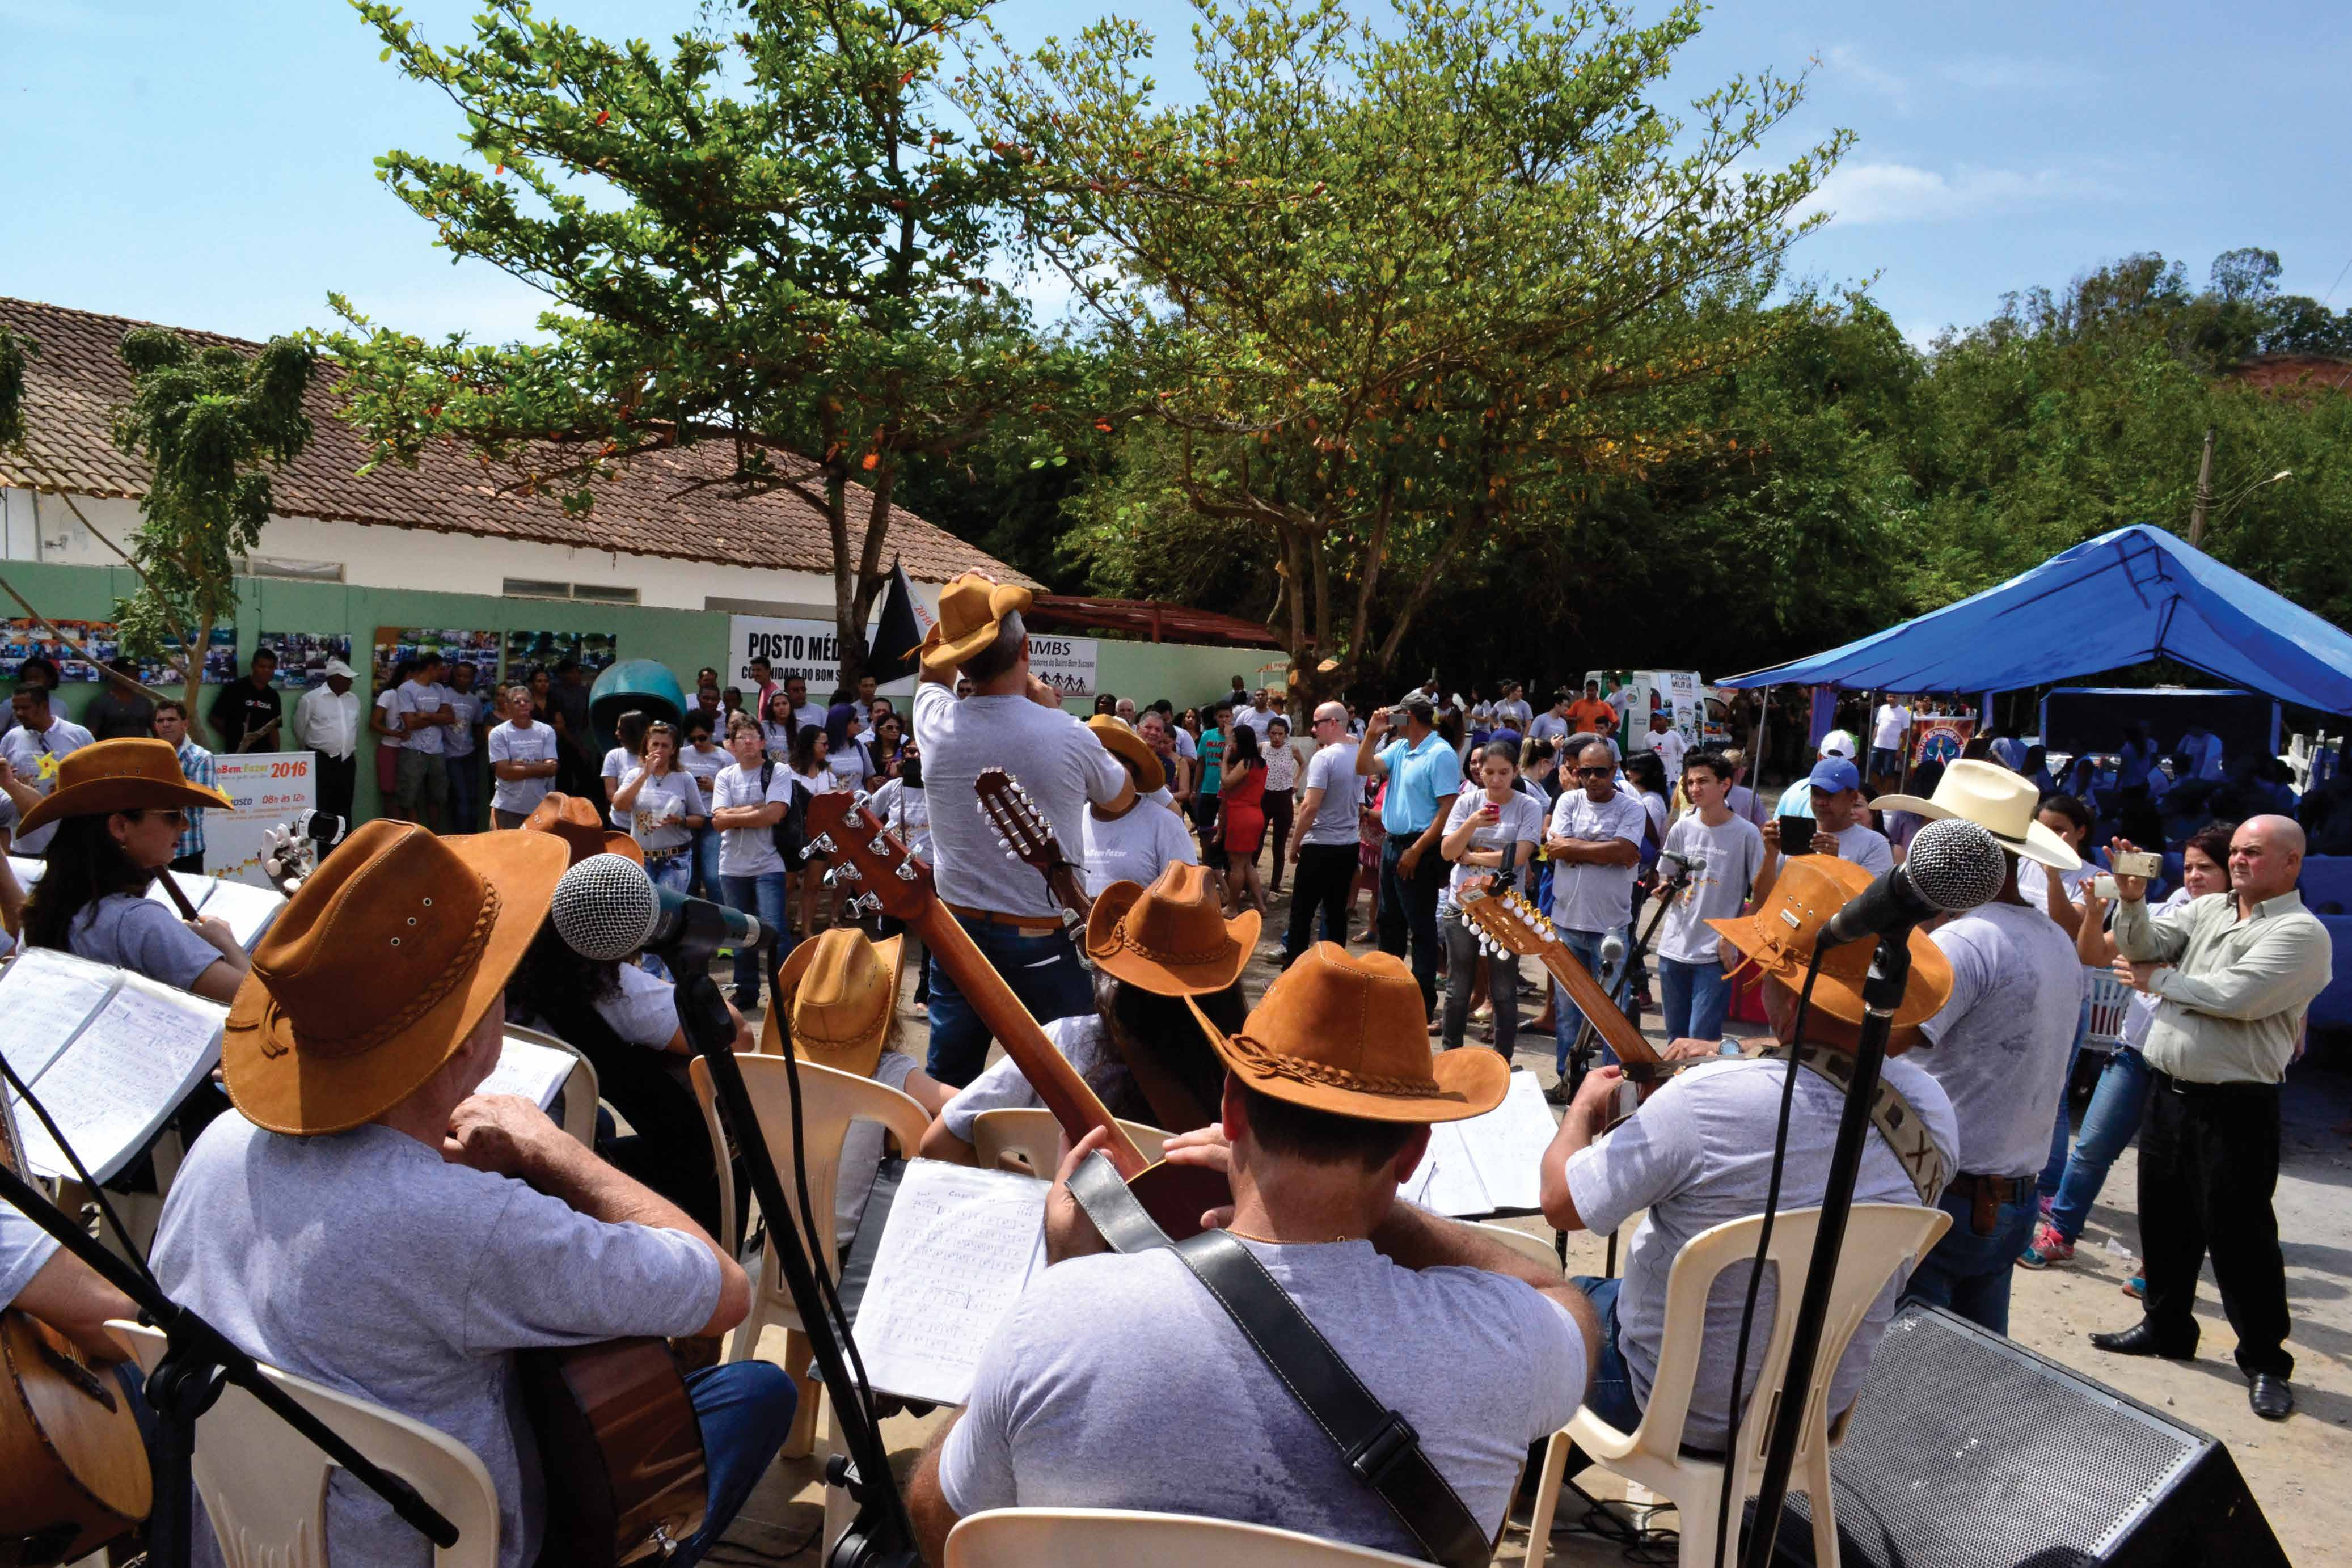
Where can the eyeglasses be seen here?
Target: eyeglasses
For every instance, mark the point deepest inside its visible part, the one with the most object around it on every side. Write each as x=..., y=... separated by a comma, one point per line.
x=174, y=815
x=1594, y=772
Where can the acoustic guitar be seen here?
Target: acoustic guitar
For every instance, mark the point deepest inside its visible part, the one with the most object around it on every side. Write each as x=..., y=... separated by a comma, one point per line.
x=1022, y=829
x=869, y=858
x=1508, y=924
x=620, y=1447
x=73, y=1471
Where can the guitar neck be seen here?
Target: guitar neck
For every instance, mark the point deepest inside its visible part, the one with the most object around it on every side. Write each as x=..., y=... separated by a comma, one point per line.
x=1062, y=881
x=1074, y=1104
x=1608, y=1018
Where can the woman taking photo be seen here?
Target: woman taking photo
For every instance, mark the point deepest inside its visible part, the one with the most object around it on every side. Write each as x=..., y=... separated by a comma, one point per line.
x=1492, y=832
x=1241, y=818
x=119, y=806
x=662, y=805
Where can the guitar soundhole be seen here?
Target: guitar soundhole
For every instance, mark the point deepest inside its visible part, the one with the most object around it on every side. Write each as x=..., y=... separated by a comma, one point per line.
x=88, y=1383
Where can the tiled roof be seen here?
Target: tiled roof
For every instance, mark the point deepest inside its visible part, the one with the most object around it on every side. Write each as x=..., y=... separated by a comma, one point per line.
x=676, y=504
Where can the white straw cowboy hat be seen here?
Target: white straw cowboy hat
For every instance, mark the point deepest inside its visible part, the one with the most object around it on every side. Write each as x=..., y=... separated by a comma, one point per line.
x=2005, y=804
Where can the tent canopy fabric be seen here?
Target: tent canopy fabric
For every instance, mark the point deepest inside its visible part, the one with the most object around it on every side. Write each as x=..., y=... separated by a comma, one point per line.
x=2126, y=597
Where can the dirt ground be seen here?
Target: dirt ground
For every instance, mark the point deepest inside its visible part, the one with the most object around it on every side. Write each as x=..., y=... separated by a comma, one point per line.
x=2297, y=1468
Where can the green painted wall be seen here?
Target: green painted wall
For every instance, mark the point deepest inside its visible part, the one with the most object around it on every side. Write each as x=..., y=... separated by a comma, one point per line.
x=1185, y=674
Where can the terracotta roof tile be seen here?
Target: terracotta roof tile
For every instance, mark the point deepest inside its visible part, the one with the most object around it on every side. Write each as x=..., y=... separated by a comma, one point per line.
x=676, y=504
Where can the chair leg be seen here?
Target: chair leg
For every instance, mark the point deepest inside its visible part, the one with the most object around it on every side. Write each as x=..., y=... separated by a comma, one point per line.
x=1555, y=1467
x=745, y=1342
x=1817, y=1493
x=836, y=1498
x=1699, y=1489
x=797, y=1354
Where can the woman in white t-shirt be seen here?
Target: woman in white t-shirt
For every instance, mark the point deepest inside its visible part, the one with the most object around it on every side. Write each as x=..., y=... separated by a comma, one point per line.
x=1282, y=767
x=808, y=763
x=1492, y=832
x=904, y=807
x=705, y=759
x=776, y=727
x=629, y=733
x=1138, y=843
x=2070, y=820
x=662, y=805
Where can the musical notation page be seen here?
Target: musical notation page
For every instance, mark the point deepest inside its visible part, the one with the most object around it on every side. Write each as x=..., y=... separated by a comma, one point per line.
x=1447, y=1180
x=533, y=1072
x=129, y=1068
x=46, y=997
x=1507, y=1144
x=247, y=909
x=960, y=1248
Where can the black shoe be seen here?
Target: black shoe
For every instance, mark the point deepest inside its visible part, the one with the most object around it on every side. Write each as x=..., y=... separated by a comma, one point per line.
x=1557, y=1094
x=2141, y=1338
x=2271, y=1396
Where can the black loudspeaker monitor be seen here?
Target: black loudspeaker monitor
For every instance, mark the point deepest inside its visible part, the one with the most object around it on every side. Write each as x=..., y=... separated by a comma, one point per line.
x=1967, y=1450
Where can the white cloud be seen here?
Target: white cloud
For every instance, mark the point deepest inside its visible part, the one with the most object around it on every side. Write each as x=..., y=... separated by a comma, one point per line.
x=1904, y=193
x=1848, y=61
x=2010, y=73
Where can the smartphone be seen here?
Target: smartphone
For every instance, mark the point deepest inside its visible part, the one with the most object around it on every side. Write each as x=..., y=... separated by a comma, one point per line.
x=1796, y=835
x=2139, y=863
x=2104, y=887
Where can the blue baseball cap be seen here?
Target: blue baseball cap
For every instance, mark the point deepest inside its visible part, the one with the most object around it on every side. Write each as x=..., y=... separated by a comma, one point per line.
x=1836, y=774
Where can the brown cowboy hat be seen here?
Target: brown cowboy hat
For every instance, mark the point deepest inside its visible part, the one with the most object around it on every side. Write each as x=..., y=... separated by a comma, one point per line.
x=839, y=993
x=1779, y=940
x=128, y=775
x=378, y=969
x=972, y=609
x=1120, y=738
x=576, y=821
x=1349, y=1036
x=1171, y=938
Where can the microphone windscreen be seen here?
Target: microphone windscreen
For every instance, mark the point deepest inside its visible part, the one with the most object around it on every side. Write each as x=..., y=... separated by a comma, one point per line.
x=605, y=907
x=1956, y=865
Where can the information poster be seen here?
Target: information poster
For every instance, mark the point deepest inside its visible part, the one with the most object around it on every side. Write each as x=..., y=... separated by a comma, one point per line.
x=479, y=649
x=302, y=656
x=809, y=649
x=269, y=789
x=1940, y=737
x=526, y=651
x=220, y=660
x=1064, y=664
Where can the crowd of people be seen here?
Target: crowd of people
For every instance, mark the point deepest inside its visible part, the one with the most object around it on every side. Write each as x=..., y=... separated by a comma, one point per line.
x=364, y=1021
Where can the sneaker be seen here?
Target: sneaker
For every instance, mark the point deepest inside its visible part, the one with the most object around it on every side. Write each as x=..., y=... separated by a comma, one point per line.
x=1557, y=1093
x=2137, y=1287
x=2047, y=1201
x=2047, y=1246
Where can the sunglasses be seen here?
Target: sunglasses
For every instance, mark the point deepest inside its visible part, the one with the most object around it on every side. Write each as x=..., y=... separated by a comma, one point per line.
x=174, y=815
x=1594, y=772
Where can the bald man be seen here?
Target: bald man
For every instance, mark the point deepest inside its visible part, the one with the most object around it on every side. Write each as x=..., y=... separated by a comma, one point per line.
x=1324, y=835
x=2233, y=975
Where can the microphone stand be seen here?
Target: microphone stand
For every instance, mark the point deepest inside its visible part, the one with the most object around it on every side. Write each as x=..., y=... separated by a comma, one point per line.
x=198, y=1364
x=880, y=1534
x=1882, y=992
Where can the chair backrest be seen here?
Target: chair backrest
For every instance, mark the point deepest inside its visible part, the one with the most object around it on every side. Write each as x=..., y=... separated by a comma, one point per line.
x=1526, y=1243
x=1880, y=1238
x=264, y=1485
x=2110, y=1003
x=829, y=1101
x=1027, y=1138
x=1108, y=1538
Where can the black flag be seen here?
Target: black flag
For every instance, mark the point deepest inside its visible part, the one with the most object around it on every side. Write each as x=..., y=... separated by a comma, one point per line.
x=898, y=635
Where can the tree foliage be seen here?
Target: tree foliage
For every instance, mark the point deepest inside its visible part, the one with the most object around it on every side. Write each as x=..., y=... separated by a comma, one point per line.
x=762, y=234
x=1391, y=294
x=209, y=423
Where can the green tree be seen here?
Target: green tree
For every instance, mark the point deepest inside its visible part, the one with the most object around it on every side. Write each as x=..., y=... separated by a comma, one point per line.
x=764, y=235
x=1391, y=294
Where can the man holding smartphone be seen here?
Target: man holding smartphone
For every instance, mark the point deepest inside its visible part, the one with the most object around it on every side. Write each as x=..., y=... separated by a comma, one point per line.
x=1840, y=826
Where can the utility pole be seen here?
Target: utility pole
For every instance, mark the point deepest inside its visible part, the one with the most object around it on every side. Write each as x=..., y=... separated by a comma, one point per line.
x=2204, y=491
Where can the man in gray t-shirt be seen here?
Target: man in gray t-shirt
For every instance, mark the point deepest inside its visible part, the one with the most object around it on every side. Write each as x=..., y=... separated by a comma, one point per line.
x=1326, y=835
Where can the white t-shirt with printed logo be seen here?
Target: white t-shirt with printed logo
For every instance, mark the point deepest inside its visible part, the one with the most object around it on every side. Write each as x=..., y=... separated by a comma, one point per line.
x=509, y=744
x=1520, y=822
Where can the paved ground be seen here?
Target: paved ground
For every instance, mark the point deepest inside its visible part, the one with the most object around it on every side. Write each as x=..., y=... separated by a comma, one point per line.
x=2297, y=1469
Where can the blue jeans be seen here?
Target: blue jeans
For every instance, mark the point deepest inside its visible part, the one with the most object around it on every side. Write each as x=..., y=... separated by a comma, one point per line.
x=1971, y=1273
x=1610, y=1394
x=764, y=897
x=1693, y=997
x=465, y=793
x=707, y=883
x=676, y=872
x=1567, y=1022
x=1042, y=968
x=2117, y=1105
x=745, y=1411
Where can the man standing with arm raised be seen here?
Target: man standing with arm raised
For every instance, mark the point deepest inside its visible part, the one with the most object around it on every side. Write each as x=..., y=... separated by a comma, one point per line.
x=1424, y=774
x=1014, y=721
x=2233, y=975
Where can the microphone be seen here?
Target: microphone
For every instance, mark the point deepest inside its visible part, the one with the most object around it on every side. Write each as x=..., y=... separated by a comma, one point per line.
x=606, y=908
x=1613, y=958
x=1953, y=864
x=1676, y=869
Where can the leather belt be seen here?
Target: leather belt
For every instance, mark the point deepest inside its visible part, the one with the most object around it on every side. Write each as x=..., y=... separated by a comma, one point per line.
x=1018, y=921
x=2190, y=1089
x=2001, y=1190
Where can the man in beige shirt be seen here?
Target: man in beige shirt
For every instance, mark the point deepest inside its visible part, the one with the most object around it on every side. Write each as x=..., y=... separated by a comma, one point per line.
x=2233, y=975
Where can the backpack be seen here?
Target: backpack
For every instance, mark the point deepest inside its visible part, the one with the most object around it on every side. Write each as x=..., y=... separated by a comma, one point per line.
x=790, y=835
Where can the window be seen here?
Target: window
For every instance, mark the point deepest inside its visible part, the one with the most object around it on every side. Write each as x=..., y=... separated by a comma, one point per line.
x=604, y=594
x=601, y=593
x=299, y=570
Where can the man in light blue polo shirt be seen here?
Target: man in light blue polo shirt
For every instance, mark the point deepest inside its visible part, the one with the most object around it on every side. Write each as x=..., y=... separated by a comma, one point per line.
x=1424, y=774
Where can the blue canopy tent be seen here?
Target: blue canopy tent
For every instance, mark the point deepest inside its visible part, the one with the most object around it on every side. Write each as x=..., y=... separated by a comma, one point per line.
x=2126, y=597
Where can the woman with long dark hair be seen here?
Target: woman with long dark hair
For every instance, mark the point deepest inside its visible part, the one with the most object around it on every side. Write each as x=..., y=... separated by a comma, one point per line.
x=1241, y=818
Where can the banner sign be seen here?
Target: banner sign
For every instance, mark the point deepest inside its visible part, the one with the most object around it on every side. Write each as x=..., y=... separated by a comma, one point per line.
x=1940, y=737
x=270, y=789
x=1064, y=664
x=809, y=649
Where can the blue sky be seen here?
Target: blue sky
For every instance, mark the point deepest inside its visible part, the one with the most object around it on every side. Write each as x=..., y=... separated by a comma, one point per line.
x=210, y=165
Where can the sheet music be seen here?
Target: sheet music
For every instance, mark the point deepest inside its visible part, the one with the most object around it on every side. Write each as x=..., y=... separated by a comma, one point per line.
x=1490, y=1163
x=28, y=870
x=196, y=887
x=1447, y=1181
x=45, y=996
x=536, y=1072
x=247, y=909
x=960, y=1247
x=131, y=1065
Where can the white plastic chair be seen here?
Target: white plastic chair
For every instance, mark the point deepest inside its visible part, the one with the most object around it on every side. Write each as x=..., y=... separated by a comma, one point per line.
x=1880, y=1238
x=1026, y=1138
x=264, y=1485
x=2110, y=1004
x=1109, y=1538
x=1527, y=1244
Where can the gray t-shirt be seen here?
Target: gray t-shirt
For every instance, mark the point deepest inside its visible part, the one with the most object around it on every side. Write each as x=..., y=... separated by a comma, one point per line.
x=1332, y=769
x=656, y=815
x=133, y=932
x=458, y=740
x=1699, y=1153
x=749, y=851
x=1073, y=1402
x=1520, y=825
x=366, y=1261
x=1733, y=853
x=24, y=1248
x=1866, y=847
x=1546, y=726
x=508, y=744
x=906, y=812
x=1588, y=897
x=412, y=697
x=2000, y=1044
x=1134, y=847
x=1001, y=1085
x=1057, y=759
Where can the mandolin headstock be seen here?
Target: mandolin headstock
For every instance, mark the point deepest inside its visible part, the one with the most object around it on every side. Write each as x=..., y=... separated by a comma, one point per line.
x=1507, y=923
x=883, y=877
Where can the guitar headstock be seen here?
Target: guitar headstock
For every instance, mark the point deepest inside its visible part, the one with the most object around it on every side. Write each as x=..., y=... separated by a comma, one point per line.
x=1507, y=922
x=1020, y=825
x=869, y=860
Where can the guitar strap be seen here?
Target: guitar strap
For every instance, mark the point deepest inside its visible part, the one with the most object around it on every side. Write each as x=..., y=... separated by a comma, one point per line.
x=1900, y=1125
x=1379, y=1445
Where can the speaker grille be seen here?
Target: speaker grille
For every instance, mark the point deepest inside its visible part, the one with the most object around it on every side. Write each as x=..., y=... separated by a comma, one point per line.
x=1966, y=1450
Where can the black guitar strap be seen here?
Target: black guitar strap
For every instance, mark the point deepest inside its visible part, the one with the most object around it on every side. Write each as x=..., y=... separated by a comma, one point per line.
x=1379, y=1445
